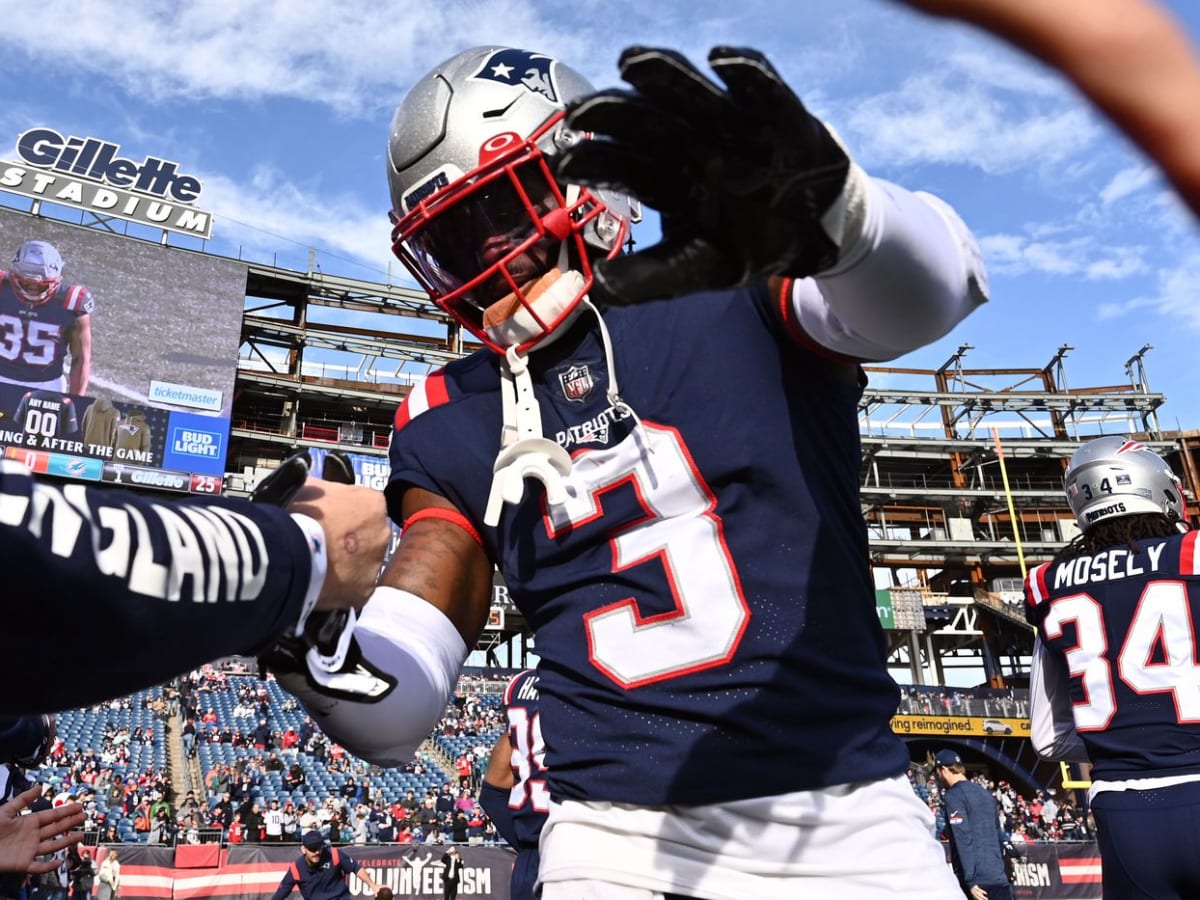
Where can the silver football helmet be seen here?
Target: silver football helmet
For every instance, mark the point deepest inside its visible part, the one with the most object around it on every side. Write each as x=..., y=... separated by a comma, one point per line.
x=36, y=271
x=479, y=219
x=1114, y=476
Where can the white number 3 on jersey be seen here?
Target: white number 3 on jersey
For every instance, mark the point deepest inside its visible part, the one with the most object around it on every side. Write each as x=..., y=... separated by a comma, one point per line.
x=682, y=533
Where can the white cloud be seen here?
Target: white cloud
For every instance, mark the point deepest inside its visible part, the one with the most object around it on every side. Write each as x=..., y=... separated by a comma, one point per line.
x=255, y=219
x=1175, y=298
x=1082, y=256
x=951, y=117
x=351, y=55
x=1128, y=181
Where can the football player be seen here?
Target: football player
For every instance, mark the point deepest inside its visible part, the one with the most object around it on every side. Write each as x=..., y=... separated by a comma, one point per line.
x=41, y=319
x=1114, y=676
x=670, y=489
x=513, y=793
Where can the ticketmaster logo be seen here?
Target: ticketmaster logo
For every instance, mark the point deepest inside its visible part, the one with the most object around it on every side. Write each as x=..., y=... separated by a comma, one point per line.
x=183, y=395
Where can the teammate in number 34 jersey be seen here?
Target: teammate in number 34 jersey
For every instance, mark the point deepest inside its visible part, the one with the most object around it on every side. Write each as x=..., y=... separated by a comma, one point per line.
x=41, y=319
x=1115, y=678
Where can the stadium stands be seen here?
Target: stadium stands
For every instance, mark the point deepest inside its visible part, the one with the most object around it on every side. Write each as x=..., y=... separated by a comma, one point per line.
x=255, y=743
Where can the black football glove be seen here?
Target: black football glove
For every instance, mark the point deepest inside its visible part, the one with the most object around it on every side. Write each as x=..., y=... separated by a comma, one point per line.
x=745, y=179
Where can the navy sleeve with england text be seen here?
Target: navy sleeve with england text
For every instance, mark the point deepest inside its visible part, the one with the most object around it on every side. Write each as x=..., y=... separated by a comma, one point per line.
x=152, y=589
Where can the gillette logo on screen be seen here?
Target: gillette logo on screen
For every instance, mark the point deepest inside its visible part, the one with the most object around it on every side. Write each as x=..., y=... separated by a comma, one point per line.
x=88, y=157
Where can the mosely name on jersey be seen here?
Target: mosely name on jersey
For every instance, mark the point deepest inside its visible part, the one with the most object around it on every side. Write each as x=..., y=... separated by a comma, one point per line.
x=1107, y=565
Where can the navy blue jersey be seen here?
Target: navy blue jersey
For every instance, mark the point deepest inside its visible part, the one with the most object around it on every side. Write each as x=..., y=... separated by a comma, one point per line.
x=702, y=601
x=324, y=881
x=116, y=573
x=33, y=336
x=529, y=798
x=973, y=830
x=1124, y=622
x=46, y=414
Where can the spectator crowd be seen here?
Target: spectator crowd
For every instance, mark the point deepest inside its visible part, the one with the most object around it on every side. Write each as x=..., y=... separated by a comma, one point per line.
x=279, y=776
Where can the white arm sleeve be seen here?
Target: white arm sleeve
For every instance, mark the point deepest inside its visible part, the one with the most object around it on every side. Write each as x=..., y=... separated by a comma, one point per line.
x=383, y=696
x=1051, y=721
x=912, y=274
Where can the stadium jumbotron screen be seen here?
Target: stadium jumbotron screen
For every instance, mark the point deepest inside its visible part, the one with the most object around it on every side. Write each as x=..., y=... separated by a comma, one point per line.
x=117, y=356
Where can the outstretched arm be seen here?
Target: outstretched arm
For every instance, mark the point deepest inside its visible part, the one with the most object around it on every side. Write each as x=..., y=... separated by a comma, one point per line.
x=1130, y=57
x=230, y=574
x=765, y=191
x=380, y=689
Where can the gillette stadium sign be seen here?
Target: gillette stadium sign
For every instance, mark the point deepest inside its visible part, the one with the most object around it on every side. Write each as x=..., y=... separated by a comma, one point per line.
x=90, y=174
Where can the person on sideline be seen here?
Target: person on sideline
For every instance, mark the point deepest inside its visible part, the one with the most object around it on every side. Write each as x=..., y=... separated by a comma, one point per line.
x=513, y=793
x=973, y=829
x=320, y=872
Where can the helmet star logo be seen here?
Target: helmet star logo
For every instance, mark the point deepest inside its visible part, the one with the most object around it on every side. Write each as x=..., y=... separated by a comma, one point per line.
x=520, y=68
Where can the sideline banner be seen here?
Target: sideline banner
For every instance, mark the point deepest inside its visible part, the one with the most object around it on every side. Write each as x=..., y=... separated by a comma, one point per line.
x=969, y=726
x=1045, y=871
x=1057, y=871
x=253, y=872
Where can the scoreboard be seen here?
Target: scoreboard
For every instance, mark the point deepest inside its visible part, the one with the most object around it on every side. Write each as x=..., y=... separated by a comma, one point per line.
x=87, y=468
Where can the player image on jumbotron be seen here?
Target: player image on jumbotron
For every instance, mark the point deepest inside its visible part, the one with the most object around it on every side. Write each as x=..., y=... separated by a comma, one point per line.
x=116, y=350
x=42, y=319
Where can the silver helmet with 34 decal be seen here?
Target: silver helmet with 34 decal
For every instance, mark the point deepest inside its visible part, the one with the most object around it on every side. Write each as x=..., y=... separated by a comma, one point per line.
x=1114, y=476
x=479, y=219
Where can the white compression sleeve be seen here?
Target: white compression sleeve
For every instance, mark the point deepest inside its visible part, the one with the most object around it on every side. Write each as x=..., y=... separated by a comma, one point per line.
x=913, y=273
x=405, y=642
x=1051, y=721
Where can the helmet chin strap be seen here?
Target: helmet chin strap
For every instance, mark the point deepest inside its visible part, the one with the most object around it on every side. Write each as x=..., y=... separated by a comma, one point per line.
x=524, y=452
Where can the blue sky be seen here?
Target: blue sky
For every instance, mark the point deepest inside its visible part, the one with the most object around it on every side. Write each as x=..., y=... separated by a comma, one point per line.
x=282, y=109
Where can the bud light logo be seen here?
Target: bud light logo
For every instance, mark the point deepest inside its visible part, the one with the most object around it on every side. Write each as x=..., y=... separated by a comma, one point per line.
x=195, y=442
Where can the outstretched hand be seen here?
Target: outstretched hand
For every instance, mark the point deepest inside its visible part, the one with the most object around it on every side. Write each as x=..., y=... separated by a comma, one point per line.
x=357, y=535
x=23, y=838
x=354, y=519
x=744, y=177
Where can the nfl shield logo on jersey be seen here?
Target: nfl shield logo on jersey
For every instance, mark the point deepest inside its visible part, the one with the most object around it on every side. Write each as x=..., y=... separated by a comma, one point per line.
x=576, y=383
